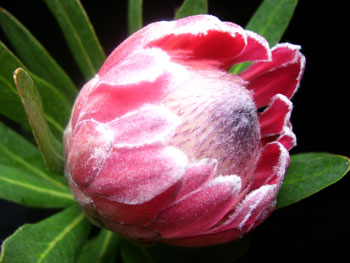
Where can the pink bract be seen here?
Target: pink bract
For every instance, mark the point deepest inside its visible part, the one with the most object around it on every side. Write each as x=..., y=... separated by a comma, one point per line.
x=164, y=144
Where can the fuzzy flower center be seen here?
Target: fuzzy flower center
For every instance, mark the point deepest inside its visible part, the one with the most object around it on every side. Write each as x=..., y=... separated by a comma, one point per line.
x=219, y=121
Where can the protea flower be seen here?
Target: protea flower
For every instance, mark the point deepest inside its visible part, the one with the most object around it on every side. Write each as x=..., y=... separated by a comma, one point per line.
x=164, y=144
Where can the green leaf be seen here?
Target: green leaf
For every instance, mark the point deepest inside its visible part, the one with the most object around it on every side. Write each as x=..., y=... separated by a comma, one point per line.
x=35, y=56
x=23, y=188
x=50, y=147
x=58, y=238
x=56, y=107
x=79, y=34
x=309, y=173
x=102, y=249
x=10, y=103
x=12, y=153
x=192, y=7
x=132, y=253
x=224, y=253
x=134, y=15
x=270, y=20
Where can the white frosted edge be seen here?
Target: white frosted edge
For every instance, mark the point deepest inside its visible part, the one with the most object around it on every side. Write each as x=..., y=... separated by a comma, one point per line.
x=197, y=28
x=180, y=165
x=234, y=180
x=292, y=47
x=281, y=167
x=287, y=115
x=210, y=162
x=146, y=73
x=173, y=122
x=260, y=194
x=289, y=105
x=227, y=179
x=287, y=131
x=298, y=57
x=262, y=41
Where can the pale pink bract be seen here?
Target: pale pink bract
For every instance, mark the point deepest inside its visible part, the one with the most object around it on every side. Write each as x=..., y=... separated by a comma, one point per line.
x=165, y=145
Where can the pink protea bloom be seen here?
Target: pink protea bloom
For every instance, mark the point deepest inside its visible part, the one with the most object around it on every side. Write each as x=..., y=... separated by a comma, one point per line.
x=164, y=144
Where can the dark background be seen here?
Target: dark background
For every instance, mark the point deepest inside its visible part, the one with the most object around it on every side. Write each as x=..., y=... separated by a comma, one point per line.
x=315, y=228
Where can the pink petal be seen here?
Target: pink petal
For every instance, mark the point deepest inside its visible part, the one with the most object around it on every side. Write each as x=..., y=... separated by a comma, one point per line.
x=141, y=79
x=206, y=239
x=199, y=210
x=281, y=75
x=250, y=211
x=282, y=54
x=196, y=175
x=135, y=214
x=135, y=176
x=146, y=126
x=114, y=101
x=217, y=45
x=84, y=201
x=257, y=49
x=276, y=116
x=81, y=100
x=187, y=35
x=88, y=149
x=287, y=138
x=131, y=232
x=272, y=165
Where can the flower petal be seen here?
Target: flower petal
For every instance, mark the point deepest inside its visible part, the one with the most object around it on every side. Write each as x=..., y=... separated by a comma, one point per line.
x=132, y=232
x=81, y=100
x=147, y=126
x=257, y=49
x=203, y=39
x=200, y=210
x=135, y=176
x=280, y=76
x=252, y=208
x=88, y=148
x=135, y=214
x=142, y=79
x=276, y=116
x=271, y=166
x=196, y=175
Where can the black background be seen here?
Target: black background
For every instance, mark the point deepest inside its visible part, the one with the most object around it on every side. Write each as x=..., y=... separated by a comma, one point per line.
x=315, y=228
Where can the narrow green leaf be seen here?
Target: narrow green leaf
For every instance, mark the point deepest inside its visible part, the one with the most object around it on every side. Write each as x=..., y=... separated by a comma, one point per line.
x=132, y=253
x=23, y=188
x=79, y=34
x=270, y=20
x=10, y=103
x=192, y=7
x=56, y=107
x=49, y=146
x=102, y=249
x=56, y=239
x=134, y=15
x=35, y=56
x=309, y=173
x=28, y=160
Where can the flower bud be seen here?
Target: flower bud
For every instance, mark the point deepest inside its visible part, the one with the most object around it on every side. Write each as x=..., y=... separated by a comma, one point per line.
x=164, y=144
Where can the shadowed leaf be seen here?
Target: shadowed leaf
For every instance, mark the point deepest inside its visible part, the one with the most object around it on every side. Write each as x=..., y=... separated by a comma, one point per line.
x=79, y=34
x=56, y=239
x=49, y=146
x=35, y=56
